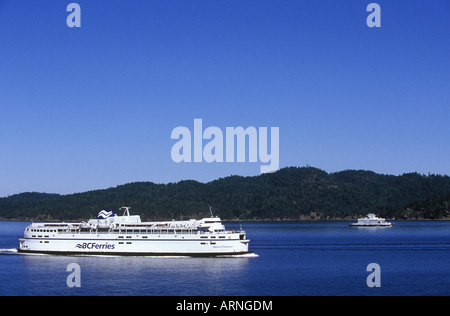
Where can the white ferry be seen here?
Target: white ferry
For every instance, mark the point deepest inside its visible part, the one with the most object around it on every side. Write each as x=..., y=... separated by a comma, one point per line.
x=110, y=234
x=371, y=220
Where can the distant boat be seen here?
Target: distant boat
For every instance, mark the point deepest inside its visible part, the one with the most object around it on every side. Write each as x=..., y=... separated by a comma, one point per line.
x=371, y=221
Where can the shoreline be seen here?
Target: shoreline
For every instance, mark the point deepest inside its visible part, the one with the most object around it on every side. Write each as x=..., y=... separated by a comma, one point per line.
x=233, y=220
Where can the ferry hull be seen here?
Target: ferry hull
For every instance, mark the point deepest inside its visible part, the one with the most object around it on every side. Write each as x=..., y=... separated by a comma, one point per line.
x=371, y=225
x=135, y=247
x=136, y=254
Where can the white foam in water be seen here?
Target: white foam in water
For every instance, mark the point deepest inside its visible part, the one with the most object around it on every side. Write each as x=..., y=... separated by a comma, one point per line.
x=6, y=250
x=14, y=250
x=246, y=255
x=10, y=251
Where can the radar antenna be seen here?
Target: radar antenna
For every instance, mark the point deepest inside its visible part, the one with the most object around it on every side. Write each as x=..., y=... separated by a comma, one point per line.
x=126, y=210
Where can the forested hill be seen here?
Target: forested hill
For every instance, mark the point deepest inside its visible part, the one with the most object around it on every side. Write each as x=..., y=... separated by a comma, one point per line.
x=288, y=194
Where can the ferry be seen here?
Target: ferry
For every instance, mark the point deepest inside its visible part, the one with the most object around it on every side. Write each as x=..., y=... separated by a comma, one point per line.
x=110, y=234
x=371, y=220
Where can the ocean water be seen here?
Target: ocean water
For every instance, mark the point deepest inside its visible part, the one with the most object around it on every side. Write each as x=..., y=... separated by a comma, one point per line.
x=293, y=258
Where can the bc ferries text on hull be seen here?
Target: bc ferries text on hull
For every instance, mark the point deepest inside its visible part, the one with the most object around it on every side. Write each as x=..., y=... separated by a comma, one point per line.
x=110, y=234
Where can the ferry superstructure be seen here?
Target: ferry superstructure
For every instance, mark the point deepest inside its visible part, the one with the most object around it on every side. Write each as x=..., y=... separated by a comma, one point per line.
x=371, y=220
x=110, y=234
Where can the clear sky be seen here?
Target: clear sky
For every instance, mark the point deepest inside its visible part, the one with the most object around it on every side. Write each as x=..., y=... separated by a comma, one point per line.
x=94, y=107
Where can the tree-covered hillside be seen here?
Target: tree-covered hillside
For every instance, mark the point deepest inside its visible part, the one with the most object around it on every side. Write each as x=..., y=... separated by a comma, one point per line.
x=291, y=193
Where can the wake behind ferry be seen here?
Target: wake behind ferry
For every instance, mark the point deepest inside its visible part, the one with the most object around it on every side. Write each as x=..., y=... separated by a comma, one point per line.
x=110, y=234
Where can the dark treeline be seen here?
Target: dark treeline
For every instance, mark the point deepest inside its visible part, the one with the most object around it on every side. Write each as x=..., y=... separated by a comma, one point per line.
x=289, y=194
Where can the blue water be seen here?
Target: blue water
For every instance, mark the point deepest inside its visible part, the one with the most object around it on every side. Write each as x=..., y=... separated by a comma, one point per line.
x=295, y=258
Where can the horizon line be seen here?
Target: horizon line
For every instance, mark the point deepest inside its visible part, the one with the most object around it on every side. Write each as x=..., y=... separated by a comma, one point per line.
x=229, y=176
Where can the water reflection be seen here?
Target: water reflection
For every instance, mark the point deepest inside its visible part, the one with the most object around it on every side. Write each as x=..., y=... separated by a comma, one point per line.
x=116, y=275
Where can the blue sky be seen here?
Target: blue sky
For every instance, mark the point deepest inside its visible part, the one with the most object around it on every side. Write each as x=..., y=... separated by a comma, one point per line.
x=93, y=107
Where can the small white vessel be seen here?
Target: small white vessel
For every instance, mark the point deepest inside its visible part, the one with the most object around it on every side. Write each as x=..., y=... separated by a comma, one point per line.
x=110, y=234
x=371, y=220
